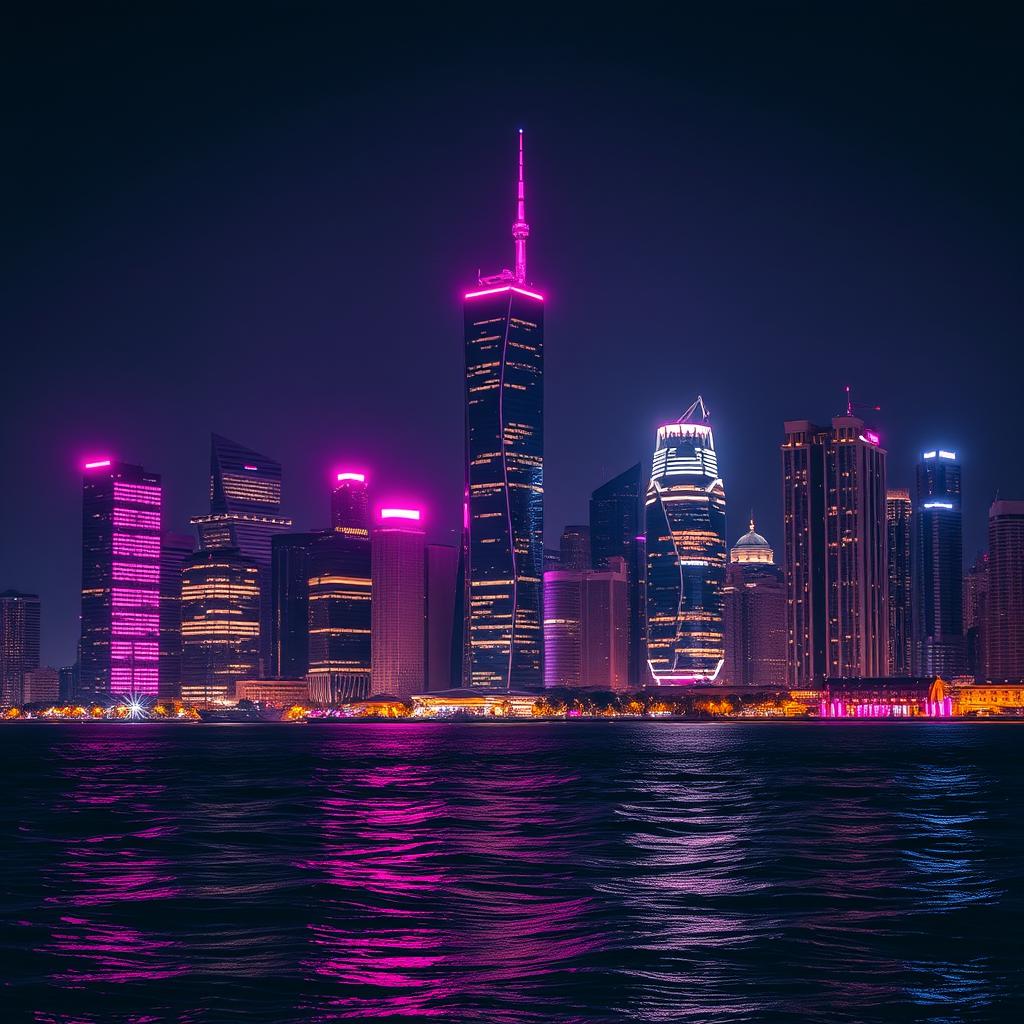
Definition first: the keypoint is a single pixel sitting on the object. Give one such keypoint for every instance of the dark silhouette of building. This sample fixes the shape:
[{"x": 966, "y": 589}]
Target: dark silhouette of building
[
  {"x": 685, "y": 526},
  {"x": 220, "y": 624},
  {"x": 120, "y": 640},
  {"x": 836, "y": 566},
  {"x": 245, "y": 506},
  {"x": 290, "y": 570},
  {"x": 755, "y": 615},
  {"x": 439, "y": 584},
  {"x": 938, "y": 567},
  {"x": 175, "y": 550},
  {"x": 616, "y": 531},
  {"x": 503, "y": 538},
  {"x": 19, "y": 643},
  {"x": 899, "y": 518},
  {"x": 975, "y": 610},
  {"x": 350, "y": 506},
  {"x": 1004, "y": 607},
  {"x": 574, "y": 549}
]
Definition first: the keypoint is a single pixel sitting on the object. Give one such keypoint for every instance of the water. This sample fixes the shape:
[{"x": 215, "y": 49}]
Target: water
[{"x": 512, "y": 873}]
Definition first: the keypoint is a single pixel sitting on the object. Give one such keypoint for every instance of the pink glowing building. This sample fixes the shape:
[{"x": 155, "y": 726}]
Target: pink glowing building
[{"x": 121, "y": 554}]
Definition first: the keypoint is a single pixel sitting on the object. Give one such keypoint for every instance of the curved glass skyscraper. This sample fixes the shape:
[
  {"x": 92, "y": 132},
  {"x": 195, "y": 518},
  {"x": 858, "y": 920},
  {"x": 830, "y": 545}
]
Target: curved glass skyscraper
[{"x": 686, "y": 553}]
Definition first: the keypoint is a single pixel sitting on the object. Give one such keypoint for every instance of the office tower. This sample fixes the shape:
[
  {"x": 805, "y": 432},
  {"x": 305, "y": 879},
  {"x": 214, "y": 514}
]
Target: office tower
[
  {"x": 68, "y": 682},
  {"x": 574, "y": 549},
  {"x": 503, "y": 535},
  {"x": 245, "y": 506},
  {"x": 350, "y": 511},
  {"x": 552, "y": 559},
  {"x": 220, "y": 624},
  {"x": 340, "y": 617},
  {"x": 40, "y": 686},
  {"x": 175, "y": 550},
  {"x": 938, "y": 567},
  {"x": 399, "y": 603},
  {"x": 975, "y": 610},
  {"x": 1004, "y": 608},
  {"x": 899, "y": 519},
  {"x": 685, "y": 525},
  {"x": 835, "y": 551},
  {"x": 616, "y": 531},
  {"x": 290, "y": 570},
  {"x": 120, "y": 641},
  {"x": 755, "y": 615},
  {"x": 19, "y": 643},
  {"x": 586, "y": 627},
  {"x": 441, "y": 567}
]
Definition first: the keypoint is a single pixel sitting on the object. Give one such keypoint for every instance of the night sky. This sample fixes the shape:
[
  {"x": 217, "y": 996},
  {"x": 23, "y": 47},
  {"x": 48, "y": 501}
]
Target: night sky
[{"x": 259, "y": 221}]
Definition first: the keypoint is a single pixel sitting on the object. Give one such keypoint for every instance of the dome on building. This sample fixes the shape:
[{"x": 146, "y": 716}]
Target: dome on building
[{"x": 752, "y": 547}]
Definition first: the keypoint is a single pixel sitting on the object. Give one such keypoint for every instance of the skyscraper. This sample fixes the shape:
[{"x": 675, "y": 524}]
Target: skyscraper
[
  {"x": 291, "y": 555},
  {"x": 439, "y": 583},
  {"x": 19, "y": 643},
  {"x": 685, "y": 523},
  {"x": 574, "y": 548},
  {"x": 503, "y": 535},
  {"x": 245, "y": 505},
  {"x": 755, "y": 615},
  {"x": 1004, "y": 608},
  {"x": 175, "y": 550},
  {"x": 586, "y": 627},
  {"x": 836, "y": 564},
  {"x": 938, "y": 567},
  {"x": 350, "y": 511},
  {"x": 399, "y": 603},
  {"x": 899, "y": 519},
  {"x": 220, "y": 624},
  {"x": 975, "y": 612},
  {"x": 340, "y": 618},
  {"x": 120, "y": 642},
  {"x": 616, "y": 528}
]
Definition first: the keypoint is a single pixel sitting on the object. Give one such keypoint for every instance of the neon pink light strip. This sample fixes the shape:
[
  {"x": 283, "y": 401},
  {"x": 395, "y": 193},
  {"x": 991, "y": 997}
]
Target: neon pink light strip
[
  {"x": 504, "y": 288},
  {"x": 359, "y": 478},
  {"x": 400, "y": 513},
  {"x": 252, "y": 469},
  {"x": 99, "y": 464}
]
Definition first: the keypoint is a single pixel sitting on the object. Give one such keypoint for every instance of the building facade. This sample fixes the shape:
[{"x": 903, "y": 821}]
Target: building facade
[
  {"x": 290, "y": 572},
  {"x": 836, "y": 551},
  {"x": 175, "y": 551},
  {"x": 19, "y": 643},
  {"x": 350, "y": 504},
  {"x": 755, "y": 615},
  {"x": 503, "y": 534},
  {"x": 899, "y": 521},
  {"x": 574, "y": 548},
  {"x": 399, "y": 603},
  {"x": 975, "y": 611},
  {"x": 1004, "y": 607},
  {"x": 220, "y": 624},
  {"x": 440, "y": 580},
  {"x": 938, "y": 567},
  {"x": 686, "y": 553},
  {"x": 121, "y": 555}
]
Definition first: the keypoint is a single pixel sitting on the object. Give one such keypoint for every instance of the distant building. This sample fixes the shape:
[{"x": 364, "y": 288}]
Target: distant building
[
  {"x": 616, "y": 531},
  {"x": 220, "y": 624},
  {"x": 175, "y": 550},
  {"x": 503, "y": 535},
  {"x": 350, "y": 506},
  {"x": 685, "y": 525},
  {"x": 439, "y": 585},
  {"x": 274, "y": 693},
  {"x": 975, "y": 609},
  {"x": 899, "y": 518},
  {"x": 586, "y": 628},
  {"x": 552, "y": 559},
  {"x": 574, "y": 549},
  {"x": 245, "y": 513},
  {"x": 1004, "y": 609},
  {"x": 399, "y": 603},
  {"x": 120, "y": 641},
  {"x": 41, "y": 686},
  {"x": 886, "y": 697},
  {"x": 340, "y": 617},
  {"x": 68, "y": 681},
  {"x": 755, "y": 615},
  {"x": 19, "y": 643},
  {"x": 938, "y": 567},
  {"x": 837, "y": 586},
  {"x": 469, "y": 702},
  {"x": 290, "y": 571}
]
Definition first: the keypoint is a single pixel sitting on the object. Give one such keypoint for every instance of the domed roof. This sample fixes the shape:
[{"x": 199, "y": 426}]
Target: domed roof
[
  {"x": 752, "y": 539},
  {"x": 752, "y": 547}
]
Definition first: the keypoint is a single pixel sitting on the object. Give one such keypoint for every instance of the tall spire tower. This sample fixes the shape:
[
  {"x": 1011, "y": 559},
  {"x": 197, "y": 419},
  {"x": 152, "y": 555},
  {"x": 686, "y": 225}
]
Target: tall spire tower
[{"x": 520, "y": 230}]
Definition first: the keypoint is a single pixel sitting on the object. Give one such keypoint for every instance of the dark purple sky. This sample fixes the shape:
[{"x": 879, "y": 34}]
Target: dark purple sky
[{"x": 259, "y": 221}]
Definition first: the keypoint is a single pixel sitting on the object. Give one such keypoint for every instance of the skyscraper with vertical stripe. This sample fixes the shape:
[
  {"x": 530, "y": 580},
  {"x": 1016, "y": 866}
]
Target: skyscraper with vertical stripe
[{"x": 503, "y": 535}]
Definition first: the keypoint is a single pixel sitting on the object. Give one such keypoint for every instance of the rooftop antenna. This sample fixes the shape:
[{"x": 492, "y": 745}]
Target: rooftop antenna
[
  {"x": 520, "y": 229},
  {"x": 851, "y": 404},
  {"x": 705, "y": 414}
]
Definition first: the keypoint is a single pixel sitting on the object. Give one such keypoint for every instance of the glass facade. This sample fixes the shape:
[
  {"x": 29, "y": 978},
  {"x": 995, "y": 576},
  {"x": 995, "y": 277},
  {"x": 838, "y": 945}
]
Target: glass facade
[
  {"x": 686, "y": 554},
  {"x": 899, "y": 517},
  {"x": 19, "y": 643},
  {"x": 121, "y": 558},
  {"x": 289, "y": 625},
  {"x": 504, "y": 517}
]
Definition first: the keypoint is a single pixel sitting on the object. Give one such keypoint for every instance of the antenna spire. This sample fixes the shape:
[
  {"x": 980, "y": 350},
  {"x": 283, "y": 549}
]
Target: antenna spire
[{"x": 520, "y": 229}]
